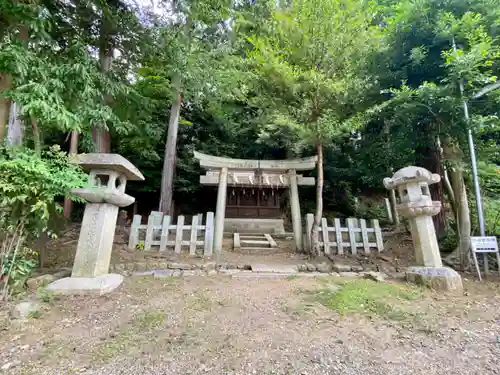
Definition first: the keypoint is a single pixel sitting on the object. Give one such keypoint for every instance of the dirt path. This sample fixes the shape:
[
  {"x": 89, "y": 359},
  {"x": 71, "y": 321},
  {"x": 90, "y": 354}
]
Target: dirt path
[{"x": 220, "y": 325}]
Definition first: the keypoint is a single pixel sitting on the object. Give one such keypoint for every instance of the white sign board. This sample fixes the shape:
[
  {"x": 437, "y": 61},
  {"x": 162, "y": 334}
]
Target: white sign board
[{"x": 484, "y": 245}]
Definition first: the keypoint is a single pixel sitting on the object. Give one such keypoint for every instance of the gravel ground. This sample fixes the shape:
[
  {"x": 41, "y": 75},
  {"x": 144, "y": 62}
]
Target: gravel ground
[{"x": 221, "y": 325}]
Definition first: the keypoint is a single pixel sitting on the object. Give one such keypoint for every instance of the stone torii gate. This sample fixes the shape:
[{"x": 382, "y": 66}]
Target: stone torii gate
[{"x": 265, "y": 175}]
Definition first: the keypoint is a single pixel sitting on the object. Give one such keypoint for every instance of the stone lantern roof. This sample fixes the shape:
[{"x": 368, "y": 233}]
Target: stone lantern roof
[
  {"x": 411, "y": 174},
  {"x": 110, "y": 162}
]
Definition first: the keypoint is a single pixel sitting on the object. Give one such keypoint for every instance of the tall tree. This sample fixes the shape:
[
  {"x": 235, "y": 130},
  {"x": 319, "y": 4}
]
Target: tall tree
[
  {"x": 455, "y": 49},
  {"x": 312, "y": 66},
  {"x": 188, "y": 55}
]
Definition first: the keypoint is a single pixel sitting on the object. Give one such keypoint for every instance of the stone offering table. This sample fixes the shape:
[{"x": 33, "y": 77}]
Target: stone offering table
[
  {"x": 416, "y": 204},
  {"x": 105, "y": 195}
]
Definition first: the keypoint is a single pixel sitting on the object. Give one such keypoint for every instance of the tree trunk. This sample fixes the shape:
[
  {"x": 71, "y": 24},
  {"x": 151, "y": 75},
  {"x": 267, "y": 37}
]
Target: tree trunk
[
  {"x": 5, "y": 84},
  {"x": 168, "y": 172},
  {"x": 9, "y": 110},
  {"x": 73, "y": 150},
  {"x": 451, "y": 151},
  {"x": 319, "y": 202},
  {"x": 430, "y": 158},
  {"x": 101, "y": 139},
  {"x": 463, "y": 217},
  {"x": 451, "y": 193},
  {"x": 37, "y": 139},
  {"x": 15, "y": 129},
  {"x": 100, "y": 133},
  {"x": 446, "y": 179}
]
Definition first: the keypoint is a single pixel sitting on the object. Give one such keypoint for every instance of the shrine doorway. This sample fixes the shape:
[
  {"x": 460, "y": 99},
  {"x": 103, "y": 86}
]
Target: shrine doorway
[{"x": 257, "y": 203}]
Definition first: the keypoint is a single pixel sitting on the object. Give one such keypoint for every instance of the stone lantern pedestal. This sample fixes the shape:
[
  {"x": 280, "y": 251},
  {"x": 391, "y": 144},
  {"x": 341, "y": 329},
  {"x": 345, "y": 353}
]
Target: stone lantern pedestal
[
  {"x": 415, "y": 203},
  {"x": 105, "y": 194}
]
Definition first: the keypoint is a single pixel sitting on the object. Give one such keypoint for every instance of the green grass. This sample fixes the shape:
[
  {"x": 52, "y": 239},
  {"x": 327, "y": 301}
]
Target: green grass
[
  {"x": 199, "y": 301},
  {"x": 132, "y": 337},
  {"x": 150, "y": 319},
  {"x": 46, "y": 296},
  {"x": 366, "y": 297},
  {"x": 298, "y": 310},
  {"x": 35, "y": 314}
]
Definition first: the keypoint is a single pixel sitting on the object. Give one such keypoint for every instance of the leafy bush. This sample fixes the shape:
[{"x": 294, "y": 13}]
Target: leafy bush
[
  {"x": 372, "y": 210},
  {"x": 490, "y": 182},
  {"x": 491, "y": 210},
  {"x": 492, "y": 215},
  {"x": 29, "y": 187},
  {"x": 17, "y": 267}
]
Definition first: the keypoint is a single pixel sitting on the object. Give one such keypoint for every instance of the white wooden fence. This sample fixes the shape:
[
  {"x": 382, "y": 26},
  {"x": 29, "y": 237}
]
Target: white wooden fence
[
  {"x": 161, "y": 231},
  {"x": 356, "y": 235}
]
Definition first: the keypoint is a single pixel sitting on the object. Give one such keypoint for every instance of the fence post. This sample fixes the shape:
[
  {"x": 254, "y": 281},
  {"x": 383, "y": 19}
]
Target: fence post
[
  {"x": 178, "y": 234},
  {"x": 149, "y": 232},
  {"x": 309, "y": 225},
  {"x": 378, "y": 235},
  {"x": 364, "y": 236},
  {"x": 194, "y": 233},
  {"x": 200, "y": 219},
  {"x": 133, "y": 240},
  {"x": 338, "y": 235},
  {"x": 326, "y": 236},
  {"x": 164, "y": 233},
  {"x": 357, "y": 235},
  {"x": 209, "y": 234},
  {"x": 352, "y": 235},
  {"x": 158, "y": 217}
]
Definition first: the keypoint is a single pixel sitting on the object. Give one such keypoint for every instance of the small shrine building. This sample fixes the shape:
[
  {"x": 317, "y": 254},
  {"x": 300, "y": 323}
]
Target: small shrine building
[{"x": 249, "y": 192}]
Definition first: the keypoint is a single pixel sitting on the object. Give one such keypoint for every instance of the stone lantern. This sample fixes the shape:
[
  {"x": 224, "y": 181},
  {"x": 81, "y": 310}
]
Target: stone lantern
[
  {"x": 105, "y": 195},
  {"x": 416, "y": 204}
]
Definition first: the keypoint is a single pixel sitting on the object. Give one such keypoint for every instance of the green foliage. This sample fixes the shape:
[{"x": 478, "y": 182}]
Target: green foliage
[
  {"x": 35, "y": 314},
  {"x": 30, "y": 184},
  {"x": 47, "y": 49},
  {"x": 46, "y": 296},
  {"x": 370, "y": 210},
  {"x": 29, "y": 187},
  {"x": 311, "y": 67},
  {"x": 65, "y": 92},
  {"x": 473, "y": 62},
  {"x": 18, "y": 267},
  {"x": 491, "y": 208}
]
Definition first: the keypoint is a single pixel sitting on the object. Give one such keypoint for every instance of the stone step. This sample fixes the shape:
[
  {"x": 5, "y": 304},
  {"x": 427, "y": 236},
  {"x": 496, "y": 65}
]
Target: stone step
[
  {"x": 254, "y": 243},
  {"x": 267, "y": 275},
  {"x": 274, "y": 268},
  {"x": 259, "y": 250},
  {"x": 261, "y": 275},
  {"x": 251, "y": 237}
]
